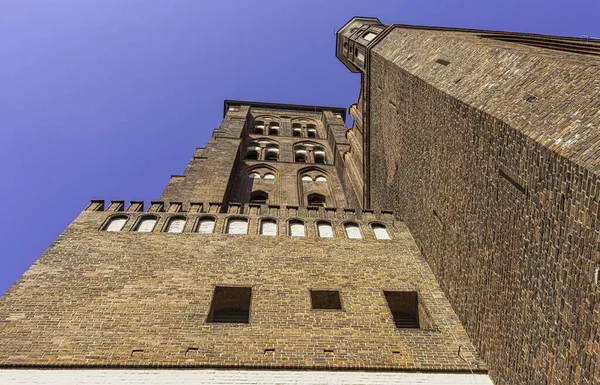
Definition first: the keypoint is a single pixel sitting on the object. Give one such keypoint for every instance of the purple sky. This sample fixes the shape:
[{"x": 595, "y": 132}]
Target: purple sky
[{"x": 106, "y": 99}]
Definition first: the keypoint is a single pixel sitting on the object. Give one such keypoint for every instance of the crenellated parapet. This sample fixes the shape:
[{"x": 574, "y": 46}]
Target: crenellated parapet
[{"x": 318, "y": 222}]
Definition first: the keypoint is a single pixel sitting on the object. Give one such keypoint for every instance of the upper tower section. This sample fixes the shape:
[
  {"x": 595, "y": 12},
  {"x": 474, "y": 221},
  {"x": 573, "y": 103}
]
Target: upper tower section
[
  {"x": 275, "y": 154},
  {"x": 352, "y": 41}
]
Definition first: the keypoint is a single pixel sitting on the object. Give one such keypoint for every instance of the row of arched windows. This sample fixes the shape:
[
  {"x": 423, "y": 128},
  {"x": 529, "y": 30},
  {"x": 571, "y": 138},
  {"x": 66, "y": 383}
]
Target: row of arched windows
[
  {"x": 239, "y": 225},
  {"x": 303, "y": 153},
  {"x": 298, "y": 130}
]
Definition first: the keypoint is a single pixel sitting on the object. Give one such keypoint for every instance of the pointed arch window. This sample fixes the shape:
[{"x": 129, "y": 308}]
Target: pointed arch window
[
  {"x": 268, "y": 227},
  {"x": 116, "y": 224},
  {"x": 259, "y": 197},
  {"x": 259, "y": 128},
  {"x": 352, "y": 231},
  {"x": 176, "y": 225},
  {"x": 237, "y": 226},
  {"x": 146, "y": 225},
  {"x": 274, "y": 129},
  {"x": 297, "y": 229},
  {"x": 272, "y": 153},
  {"x": 300, "y": 155},
  {"x": 316, "y": 200},
  {"x": 380, "y": 231},
  {"x": 253, "y": 152},
  {"x": 206, "y": 226},
  {"x": 311, "y": 131},
  {"x": 319, "y": 156},
  {"x": 325, "y": 230},
  {"x": 297, "y": 131}
]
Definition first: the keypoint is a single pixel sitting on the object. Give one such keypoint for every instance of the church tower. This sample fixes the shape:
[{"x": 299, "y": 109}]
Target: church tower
[{"x": 259, "y": 264}]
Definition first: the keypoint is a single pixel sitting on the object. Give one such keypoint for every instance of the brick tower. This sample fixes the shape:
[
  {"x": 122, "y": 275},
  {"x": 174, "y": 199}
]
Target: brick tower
[
  {"x": 487, "y": 145},
  {"x": 259, "y": 257}
]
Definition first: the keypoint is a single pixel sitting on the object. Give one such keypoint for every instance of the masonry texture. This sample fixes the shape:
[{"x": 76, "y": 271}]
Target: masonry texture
[
  {"x": 272, "y": 204},
  {"x": 488, "y": 145}
]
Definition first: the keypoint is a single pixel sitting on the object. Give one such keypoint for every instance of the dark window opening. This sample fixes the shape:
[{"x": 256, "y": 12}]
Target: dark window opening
[
  {"x": 320, "y": 159},
  {"x": 325, "y": 299},
  {"x": 404, "y": 306},
  {"x": 300, "y": 157},
  {"x": 316, "y": 200},
  {"x": 259, "y": 197},
  {"x": 230, "y": 305},
  {"x": 272, "y": 155},
  {"x": 312, "y": 133},
  {"x": 297, "y": 133},
  {"x": 442, "y": 62},
  {"x": 252, "y": 155}
]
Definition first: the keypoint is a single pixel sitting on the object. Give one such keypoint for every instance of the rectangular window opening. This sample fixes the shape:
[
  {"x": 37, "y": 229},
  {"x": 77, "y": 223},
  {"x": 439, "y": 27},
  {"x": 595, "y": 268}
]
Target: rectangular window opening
[
  {"x": 325, "y": 299},
  {"x": 404, "y": 306},
  {"x": 230, "y": 305},
  {"x": 442, "y": 62}
]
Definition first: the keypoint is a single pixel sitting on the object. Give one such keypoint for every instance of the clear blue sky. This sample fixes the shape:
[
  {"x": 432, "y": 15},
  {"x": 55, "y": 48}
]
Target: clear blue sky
[{"x": 106, "y": 99}]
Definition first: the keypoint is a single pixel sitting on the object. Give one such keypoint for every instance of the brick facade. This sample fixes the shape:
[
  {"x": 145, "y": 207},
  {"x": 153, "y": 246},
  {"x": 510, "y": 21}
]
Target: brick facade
[
  {"x": 128, "y": 298},
  {"x": 487, "y": 145}
]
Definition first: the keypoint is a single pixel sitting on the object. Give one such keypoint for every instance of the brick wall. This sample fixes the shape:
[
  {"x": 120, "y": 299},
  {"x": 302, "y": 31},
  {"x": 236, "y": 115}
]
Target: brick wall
[
  {"x": 137, "y": 299},
  {"x": 498, "y": 189}
]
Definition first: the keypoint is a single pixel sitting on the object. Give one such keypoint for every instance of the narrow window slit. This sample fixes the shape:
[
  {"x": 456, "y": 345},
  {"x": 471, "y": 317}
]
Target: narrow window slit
[
  {"x": 442, "y": 62},
  {"x": 512, "y": 181}
]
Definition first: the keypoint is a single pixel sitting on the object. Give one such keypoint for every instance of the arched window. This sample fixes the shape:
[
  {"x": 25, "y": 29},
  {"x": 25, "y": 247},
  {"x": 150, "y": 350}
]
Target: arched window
[
  {"x": 252, "y": 152},
  {"x": 274, "y": 128},
  {"x": 325, "y": 230},
  {"x": 206, "y": 226},
  {"x": 269, "y": 176},
  {"x": 272, "y": 153},
  {"x": 296, "y": 228},
  {"x": 237, "y": 226},
  {"x": 259, "y": 197},
  {"x": 311, "y": 131},
  {"x": 321, "y": 178},
  {"x": 307, "y": 178},
  {"x": 316, "y": 200},
  {"x": 380, "y": 231},
  {"x": 176, "y": 225},
  {"x": 146, "y": 225},
  {"x": 254, "y": 175},
  {"x": 296, "y": 130},
  {"x": 259, "y": 128},
  {"x": 300, "y": 155},
  {"x": 319, "y": 155},
  {"x": 352, "y": 231},
  {"x": 268, "y": 227},
  {"x": 116, "y": 224}
]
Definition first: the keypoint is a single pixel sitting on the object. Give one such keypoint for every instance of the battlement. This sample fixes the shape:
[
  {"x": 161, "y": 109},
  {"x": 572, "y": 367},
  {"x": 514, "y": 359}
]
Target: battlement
[
  {"x": 248, "y": 209},
  {"x": 247, "y": 219}
]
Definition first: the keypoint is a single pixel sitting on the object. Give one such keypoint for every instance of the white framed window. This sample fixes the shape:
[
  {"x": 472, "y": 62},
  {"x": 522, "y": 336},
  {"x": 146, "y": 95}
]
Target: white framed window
[
  {"x": 206, "y": 226},
  {"x": 307, "y": 178},
  {"x": 146, "y": 225},
  {"x": 352, "y": 231},
  {"x": 176, "y": 225},
  {"x": 321, "y": 178},
  {"x": 268, "y": 227},
  {"x": 297, "y": 229},
  {"x": 380, "y": 232},
  {"x": 254, "y": 175},
  {"x": 269, "y": 176},
  {"x": 325, "y": 230},
  {"x": 116, "y": 224},
  {"x": 237, "y": 226}
]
